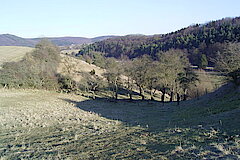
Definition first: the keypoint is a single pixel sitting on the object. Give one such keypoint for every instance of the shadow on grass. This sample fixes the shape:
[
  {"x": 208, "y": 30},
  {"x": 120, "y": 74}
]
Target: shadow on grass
[
  {"x": 161, "y": 133},
  {"x": 149, "y": 114},
  {"x": 219, "y": 109}
]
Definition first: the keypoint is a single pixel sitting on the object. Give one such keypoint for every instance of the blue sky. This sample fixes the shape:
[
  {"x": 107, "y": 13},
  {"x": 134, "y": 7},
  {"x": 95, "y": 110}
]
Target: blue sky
[{"x": 91, "y": 18}]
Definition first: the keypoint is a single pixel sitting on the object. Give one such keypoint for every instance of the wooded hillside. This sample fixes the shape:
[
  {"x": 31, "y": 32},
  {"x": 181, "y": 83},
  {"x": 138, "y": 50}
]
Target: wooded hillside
[{"x": 196, "y": 40}]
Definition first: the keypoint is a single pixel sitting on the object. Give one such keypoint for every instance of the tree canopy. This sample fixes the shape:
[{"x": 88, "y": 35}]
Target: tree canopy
[{"x": 197, "y": 40}]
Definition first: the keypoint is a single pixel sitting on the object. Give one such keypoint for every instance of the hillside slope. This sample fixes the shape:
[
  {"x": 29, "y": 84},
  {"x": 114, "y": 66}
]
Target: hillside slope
[
  {"x": 12, "y": 53},
  {"x": 76, "y": 67},
  {"x": 194, "y": 40},
  {"x": 218, "y": 109},
  {"x": 47, "y": 125}
]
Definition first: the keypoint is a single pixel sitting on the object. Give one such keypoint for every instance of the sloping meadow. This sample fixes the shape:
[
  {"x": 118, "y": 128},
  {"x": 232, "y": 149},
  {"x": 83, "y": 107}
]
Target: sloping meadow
[{"x": 48, "y": 125}]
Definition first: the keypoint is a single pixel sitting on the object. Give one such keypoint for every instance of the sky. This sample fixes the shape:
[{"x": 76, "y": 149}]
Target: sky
[{"x": 91, "y": 18}]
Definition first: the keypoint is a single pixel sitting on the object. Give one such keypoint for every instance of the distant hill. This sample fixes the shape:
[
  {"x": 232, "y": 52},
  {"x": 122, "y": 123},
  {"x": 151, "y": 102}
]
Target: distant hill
[
  {"x": 12, "y": 40},
  {"x": 63, "y": 41},
  {"x": 66, "y": 41}
]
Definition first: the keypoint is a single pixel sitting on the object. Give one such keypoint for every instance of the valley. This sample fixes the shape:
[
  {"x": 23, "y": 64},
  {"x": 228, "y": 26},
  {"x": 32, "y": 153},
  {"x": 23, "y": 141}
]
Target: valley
[{"x": 165, "y": 96}]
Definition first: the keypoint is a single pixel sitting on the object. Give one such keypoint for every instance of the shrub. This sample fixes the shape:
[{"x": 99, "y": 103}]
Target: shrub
[
  {"x": 66, "y": 83},
  {"x": 36, "y": 70}
]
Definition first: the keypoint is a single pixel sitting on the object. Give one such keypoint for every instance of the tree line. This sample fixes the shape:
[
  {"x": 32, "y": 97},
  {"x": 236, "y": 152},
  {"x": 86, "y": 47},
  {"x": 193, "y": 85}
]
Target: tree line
[{"x": 169, "y": 72}]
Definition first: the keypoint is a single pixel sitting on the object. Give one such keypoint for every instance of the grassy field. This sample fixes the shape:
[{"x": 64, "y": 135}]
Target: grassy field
[
  {"x": 47, "y": 125},
  {"x": 12, "y": 53}
]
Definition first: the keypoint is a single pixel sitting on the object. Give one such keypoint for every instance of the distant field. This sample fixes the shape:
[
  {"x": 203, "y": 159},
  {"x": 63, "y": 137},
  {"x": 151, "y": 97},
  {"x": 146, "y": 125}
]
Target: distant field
[
  {"x": 12, "y": 53},
  {"x": 48, "y": 125}
]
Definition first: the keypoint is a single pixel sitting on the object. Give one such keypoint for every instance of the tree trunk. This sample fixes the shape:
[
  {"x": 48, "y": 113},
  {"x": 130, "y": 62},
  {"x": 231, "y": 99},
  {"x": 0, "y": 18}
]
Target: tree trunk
[
  {"x": 197, "y": 94},
  {"x": 130, "y": 93},
  {"x": 178, "y": 99},
  {"x": 163, "y": 95},
  {"x": 111, "y": 89},
  {"x": 116, "y": 91},
  {"x": 129, "y": 89},
  {"x": 116, "y": 94},
  {"x": 185, "y": 95},
  {"x": 151, "y": 93},
  {"x": 94, "y": 97},
  {"x": 206, "y": 91},
  {"x": 141, "y": 92},
  {"x": 130, "y": 96},
  {"x": 171, "y": 97}
]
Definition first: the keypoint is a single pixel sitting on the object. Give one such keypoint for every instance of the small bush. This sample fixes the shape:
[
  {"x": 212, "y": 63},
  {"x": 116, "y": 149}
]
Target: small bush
[{"x": 66, "y": 83}]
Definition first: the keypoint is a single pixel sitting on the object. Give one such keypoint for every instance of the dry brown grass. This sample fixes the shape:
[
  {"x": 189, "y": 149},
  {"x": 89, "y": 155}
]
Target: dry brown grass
[
  {"x": 75, "y": 67},
  {"x": 47, "y": 125},
  {"x": 12, "y": 53}
]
